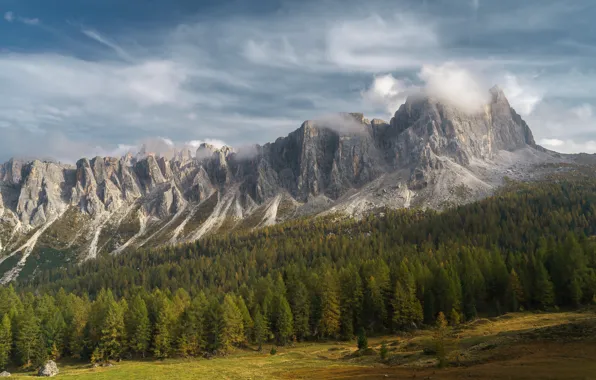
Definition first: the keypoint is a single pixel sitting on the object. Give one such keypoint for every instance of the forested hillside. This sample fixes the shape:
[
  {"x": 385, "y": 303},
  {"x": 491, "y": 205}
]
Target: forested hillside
[{"x": 530, "y": 247}]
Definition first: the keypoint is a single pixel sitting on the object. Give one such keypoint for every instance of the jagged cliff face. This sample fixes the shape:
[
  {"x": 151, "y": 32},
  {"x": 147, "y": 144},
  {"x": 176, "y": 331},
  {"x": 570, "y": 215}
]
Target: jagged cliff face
[{"x": 428, "y": 155}]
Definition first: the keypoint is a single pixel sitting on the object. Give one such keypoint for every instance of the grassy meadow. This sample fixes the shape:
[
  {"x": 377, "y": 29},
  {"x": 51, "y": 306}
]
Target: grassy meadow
[{"x": 514, "y": 346}]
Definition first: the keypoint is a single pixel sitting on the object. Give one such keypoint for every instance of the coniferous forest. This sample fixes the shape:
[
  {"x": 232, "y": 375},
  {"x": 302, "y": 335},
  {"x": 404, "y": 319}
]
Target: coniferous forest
[{"x": 528, "y": 247}]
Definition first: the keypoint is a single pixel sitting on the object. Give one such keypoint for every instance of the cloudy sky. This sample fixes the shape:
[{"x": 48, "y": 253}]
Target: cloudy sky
[{"x": 99, "y": 77}]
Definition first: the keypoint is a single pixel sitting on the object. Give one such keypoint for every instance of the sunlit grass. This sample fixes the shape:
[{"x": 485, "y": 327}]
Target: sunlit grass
[{"x": 305, "y": 359}]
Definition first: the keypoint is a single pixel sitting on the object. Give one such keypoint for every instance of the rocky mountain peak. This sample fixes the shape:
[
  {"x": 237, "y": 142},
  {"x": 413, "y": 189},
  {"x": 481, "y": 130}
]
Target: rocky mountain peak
[
  {"x": 498, "y": 95},
  {"x": 337, "y": 163}
]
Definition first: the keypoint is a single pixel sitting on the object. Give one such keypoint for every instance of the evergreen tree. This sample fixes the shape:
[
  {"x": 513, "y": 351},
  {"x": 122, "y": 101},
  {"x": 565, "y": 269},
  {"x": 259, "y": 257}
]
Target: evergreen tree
[
  {"x": 30, "y": 348},
  {"x": 300, "y": 306},
  {"x": 407, "y": 309},
  {"x": 351, "y": 297},
  {"x": 111, "y": 339},
  {"x": 247, "y": 321},
  {"x": 330, "y": 317},
  {"x": 52, "y": 325},
  {"x": 284, "y": 328},
  {"x": 77, "y": 324},
  {"x": 261, "y": 329},
  {"x": 5, "y": 341},
  {"x": 473, "y": 286},
  {"x": 162, "y": 330},
  {"x": 543, "y": 289},
  {"x": 440, "y": 339},
  {"x": 454, "y": 318},
  {"x": 138, "y": 326},
  {"x": 233, "y": 326},
  {"x": 192, "y": 328},
  {"x": 515, "y": 292},
  {"x": 214, "y": 326},
  {"x": 9, "y": 301}
]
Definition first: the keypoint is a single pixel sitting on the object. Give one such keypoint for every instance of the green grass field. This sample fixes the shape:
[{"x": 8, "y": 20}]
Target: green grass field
[{"x": 513, "y": 346}]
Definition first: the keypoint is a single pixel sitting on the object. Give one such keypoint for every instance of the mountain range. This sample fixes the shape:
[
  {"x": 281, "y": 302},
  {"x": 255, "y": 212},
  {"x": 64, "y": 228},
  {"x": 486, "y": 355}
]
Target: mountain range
[{"x": 429, "y": 155}]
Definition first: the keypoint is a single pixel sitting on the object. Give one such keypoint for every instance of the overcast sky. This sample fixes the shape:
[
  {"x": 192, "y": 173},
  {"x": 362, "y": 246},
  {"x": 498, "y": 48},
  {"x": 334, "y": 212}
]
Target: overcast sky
[{"x": 99, "y": 77}]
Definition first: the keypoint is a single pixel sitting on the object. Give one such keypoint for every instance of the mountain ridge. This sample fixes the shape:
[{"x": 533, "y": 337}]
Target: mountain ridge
[{"x": 430, "y": 154}]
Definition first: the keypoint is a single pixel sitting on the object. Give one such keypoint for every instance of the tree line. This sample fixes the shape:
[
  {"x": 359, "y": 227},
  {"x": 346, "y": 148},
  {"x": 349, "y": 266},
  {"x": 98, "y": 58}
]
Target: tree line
[{"x": 529, "y": 247}]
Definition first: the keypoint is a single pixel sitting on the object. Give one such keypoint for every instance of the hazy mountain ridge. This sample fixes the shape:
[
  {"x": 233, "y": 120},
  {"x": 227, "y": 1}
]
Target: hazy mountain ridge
[{"x": 429, "y": 155}]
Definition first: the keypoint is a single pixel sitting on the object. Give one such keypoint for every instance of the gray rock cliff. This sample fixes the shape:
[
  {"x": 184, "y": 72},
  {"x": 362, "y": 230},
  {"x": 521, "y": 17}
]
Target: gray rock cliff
[{"x": 344, "y": 163}]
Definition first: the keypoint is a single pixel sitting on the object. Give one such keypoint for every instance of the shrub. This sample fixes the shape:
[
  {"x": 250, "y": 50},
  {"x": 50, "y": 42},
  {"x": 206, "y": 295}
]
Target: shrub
[
  {"x": 384, "y": 351},
  {"x": 362, "y": 340}
]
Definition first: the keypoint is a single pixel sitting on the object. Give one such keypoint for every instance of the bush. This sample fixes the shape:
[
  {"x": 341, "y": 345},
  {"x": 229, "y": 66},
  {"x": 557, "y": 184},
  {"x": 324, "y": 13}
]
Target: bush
[
  {"x": 362, "y": 340},
  {"x": 273, "y": 350},
  {"x": 384, "y": 351}
]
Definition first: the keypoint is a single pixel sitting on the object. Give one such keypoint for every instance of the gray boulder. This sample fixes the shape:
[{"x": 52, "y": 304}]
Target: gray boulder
[
  {"x": 5, "y": 374},
  {"x": 49, "y": 369}
]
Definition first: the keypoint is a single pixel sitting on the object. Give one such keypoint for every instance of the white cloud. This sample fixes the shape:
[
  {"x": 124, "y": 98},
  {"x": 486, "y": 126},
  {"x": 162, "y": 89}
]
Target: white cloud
[
  {"x": 370, "y": 44},
  {"x": 94, "y": 35},
  {"x": 340, "y": 122},
  {"x": 551, "y": 142},
  {"x": 196, "y": 143},
  {"x": 11, "y": 16},
  {"x": 522, "y": 98},
  {"x": 456, "y": 85},
  {"x": 277, "y": 52},
  {"x": 52, "y": 76},
  {"x": 569, "y": 146},
  {"x": 386, "y": 92},
  {"x": 377, "y": 44},
  {"x": 29, "y": 21},
  {"x": 460, "y": 84}
]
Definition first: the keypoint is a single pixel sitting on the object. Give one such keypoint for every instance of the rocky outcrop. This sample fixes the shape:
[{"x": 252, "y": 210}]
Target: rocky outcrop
[
  {"x": 49, "y": 369},
  {"x": 424, "y": 129},
  {"x": 342, "y": 163}
]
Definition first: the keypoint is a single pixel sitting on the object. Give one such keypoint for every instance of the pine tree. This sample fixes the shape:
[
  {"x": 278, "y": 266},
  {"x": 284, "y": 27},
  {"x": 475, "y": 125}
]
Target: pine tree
[
  {"x": 330, "y": 319},
  {"x": 233, "y": 327},
  {"x": 440, "y": 338},
  {"x": 29, "y": 346},
  {"x": 162, "y": 335},
  {"x": 284, "y": 328},
  {"x": 261, "y": 329},
  {"x": 76, "y": 326},
  {"x": 407, "y": 310},
  {"x": 247, "y": 321},
  {"x": 473, "y": 286},
  {"x": 300, "y": 305},
  {"x": 543, "y": 289},
  {"x": 52, "y": 325},
  {"x": 214, "y": 325},
  {"x": 5, "y": 341},
  {"x": 454, "y": 318},
  {"x": 9, "y": 301},
  {"x": 351, "y": 297},
  {"x": 515, "y": 292},
  {"x": 192, "y": 328},
  {"x": 138, "y": 326},
  {"x": 111, "y": 340}
]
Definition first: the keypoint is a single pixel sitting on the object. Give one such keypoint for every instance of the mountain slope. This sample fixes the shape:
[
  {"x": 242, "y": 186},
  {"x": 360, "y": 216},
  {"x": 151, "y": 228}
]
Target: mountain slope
[{"x": 429, "y": 155}]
